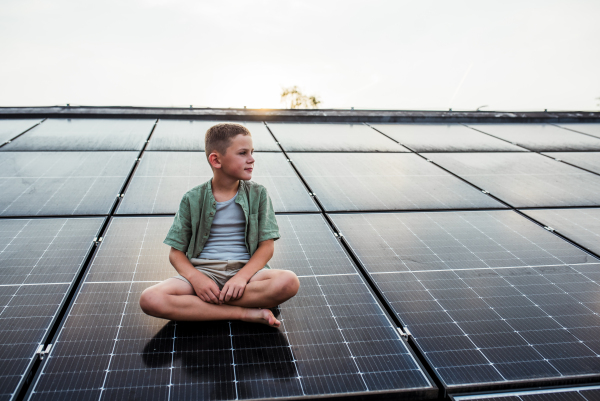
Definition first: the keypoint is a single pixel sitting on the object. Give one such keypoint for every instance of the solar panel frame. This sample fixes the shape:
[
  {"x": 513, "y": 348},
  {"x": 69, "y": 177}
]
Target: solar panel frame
[
  {"x": 586, "y": 160},
  {"x": 524, "y": 179},
  {"x": 435, "y": 305},
  {"x": 332, "y": 137},
  {"x": 540, "y": 137},
  {"x": 62, "y": 183},
  {"x": 385, "y": 181},
  {"x": 188, "y": 135},
  {"x": 85, "y": 134},
  {"x": 111, "y": 293},
  {"x": 10, "y": 128},
  {"x": 438, "y": 137},
  {"x": 587, "y": 393},
  {"x": 37, "y": 318},
  {"x": 179, "y": 172}
]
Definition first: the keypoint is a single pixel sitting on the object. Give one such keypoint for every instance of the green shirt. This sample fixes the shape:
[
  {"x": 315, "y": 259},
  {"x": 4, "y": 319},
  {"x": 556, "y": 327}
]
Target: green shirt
[{"x": 191, "y": 226}]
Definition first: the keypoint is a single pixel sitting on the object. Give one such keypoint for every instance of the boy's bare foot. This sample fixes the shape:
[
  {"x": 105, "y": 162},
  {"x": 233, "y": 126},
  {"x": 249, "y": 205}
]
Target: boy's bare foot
[{"x": 257, "y": 315}]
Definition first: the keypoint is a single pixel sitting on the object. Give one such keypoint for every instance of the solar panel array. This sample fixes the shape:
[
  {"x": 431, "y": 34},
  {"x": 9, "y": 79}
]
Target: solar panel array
[{"x": 461, "y": 238}]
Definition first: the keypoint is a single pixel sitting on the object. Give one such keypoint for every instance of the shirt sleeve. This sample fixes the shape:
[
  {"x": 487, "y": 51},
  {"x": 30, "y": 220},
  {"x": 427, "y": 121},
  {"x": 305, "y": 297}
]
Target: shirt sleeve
[
  {"x": 180, "y": 233},
  {"x": 267, "y": 223}
]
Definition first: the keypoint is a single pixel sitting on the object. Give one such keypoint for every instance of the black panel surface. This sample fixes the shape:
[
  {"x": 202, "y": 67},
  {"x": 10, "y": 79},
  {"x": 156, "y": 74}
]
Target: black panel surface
[
  {"x": 296, "y": 137},
  {"x": 163, "y": 177},
  {"x": 540, "y": 137},
  {"x": 585, "y": 128},
  {"x": 490, "y": 297},
  {"x": 587, "y": 160},
  {"x": 524, "y": 179},
  {"x": 61, "y": 183},
  {"x": 11, "y": 128},
  {"x": 444, "y": 138},
  {"x": 189, "y": 135},
  {"x": 334, "y": 337},
  {"x": 579, "y": 225},
  {"x": 361, "y": 181},
  {"x": 38, "y": 261},
  {"x": 85, "y": 134},
  {"x": 588, "y": 393}
]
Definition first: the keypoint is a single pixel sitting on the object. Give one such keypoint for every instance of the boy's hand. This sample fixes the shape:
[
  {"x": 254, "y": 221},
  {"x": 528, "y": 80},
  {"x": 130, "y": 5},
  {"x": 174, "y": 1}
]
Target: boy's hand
[
  {"x": 233, "y": 289},
  {"x": 206, "y": 289}
]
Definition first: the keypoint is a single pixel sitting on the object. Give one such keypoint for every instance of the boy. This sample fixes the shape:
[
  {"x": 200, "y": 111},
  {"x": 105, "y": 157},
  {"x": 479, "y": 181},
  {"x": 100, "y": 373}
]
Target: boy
[{"x": 221, "y": 240}]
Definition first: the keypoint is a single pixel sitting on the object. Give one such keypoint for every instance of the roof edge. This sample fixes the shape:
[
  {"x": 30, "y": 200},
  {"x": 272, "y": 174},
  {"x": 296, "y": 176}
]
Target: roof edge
[{"x": 299, "y": 115}]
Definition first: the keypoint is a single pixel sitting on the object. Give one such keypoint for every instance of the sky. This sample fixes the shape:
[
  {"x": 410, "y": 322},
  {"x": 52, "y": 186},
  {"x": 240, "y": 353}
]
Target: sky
[{"x": 419, "y": 55}]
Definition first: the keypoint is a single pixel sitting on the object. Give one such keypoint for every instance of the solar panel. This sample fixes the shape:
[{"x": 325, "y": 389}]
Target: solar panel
[
  {"x": 61, "y": 183},
  {"x": 540, "y": 137},
  {"x": 334, "y": 339},
  {"x": 38, "y": 261},
  {"x": 332, "y": 137},
  {"x": 491, "y": 298},
  {"x": 586, "y": 160},
  {"x": 367, "y": 181},
  {"x": 11, "y": 128},
  {"x": 84, "y": 134},
  {"x": 444, "y": 138},
  {"x": 579, "y": 225},
  {"x": 585, "y": 128},
  {"x": 524, "y": 179},
  {"x": 163, "y": 177},
  {"x": 189, "y": 135},
  {"x": 588, "y": 393}
]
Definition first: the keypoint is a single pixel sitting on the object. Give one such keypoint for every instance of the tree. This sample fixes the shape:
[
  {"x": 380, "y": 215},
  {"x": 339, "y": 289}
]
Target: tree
[{"x": 293, "y": 98}]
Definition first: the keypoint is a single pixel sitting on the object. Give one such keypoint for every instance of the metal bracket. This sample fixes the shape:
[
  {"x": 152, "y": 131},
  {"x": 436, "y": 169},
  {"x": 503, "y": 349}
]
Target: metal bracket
[
  {"x": 97, "y": 240},
  {"x": 549, "y": 228},
  {"x": 405, "y": 334},
  {"x": 484, "y": 191},
  {"x": 40, "y": 352}
]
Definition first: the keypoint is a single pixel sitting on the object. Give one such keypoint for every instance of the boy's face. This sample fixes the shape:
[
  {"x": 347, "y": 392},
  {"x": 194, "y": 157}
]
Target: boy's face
[{"x": 237, "y": 162}]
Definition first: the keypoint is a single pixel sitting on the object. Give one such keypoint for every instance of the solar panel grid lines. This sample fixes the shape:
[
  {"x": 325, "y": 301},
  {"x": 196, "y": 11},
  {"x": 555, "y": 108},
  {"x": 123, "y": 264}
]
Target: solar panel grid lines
[
  {"x": 39, "y": 260},
  {"x": 162, "y": 178},
  {"x": 436, "y": 137},
  {"x": 582, "y": 226},
  {"x": 327, "y": 330},
  {"x": 592, "y": 129},
  {"x": 61, "y": 183},
  {"x": 57, "y": 134},
  {"x": 540, "y": 137},
  {"x": 297, "y": 137},
  {"x": 480, "y": 324},
  {"x": 587, "y": 393},
  {"x": 589, "y": 161},
  {"x": 188, "y": 135},
  {"x": 366, "y": 181},
  {"x": 524, "y": 179},
  {"x": 13, "y": 128}
]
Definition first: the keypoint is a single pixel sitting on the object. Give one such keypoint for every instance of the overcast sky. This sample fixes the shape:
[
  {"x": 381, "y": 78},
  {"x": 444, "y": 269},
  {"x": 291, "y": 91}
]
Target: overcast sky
[{"x": 508, "y": 55}]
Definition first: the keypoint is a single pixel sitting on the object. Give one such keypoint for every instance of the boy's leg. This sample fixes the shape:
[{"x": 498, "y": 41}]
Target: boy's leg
[
  {"x": 268, "y": 288},
  {"x": 176, "y": 300}
]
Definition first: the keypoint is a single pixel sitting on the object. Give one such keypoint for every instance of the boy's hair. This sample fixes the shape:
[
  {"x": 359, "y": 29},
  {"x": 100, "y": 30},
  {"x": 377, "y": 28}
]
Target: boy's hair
[{"x": 218, "y": 137}]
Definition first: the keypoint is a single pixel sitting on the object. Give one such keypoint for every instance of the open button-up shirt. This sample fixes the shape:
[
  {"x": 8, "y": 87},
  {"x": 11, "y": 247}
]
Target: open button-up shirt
[{"x": 191, "y": 226}]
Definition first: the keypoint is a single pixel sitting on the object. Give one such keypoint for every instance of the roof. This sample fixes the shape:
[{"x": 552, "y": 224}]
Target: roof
[{"x": 438, "y": 253}]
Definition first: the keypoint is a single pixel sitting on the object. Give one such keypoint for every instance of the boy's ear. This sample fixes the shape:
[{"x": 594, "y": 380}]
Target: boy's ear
[{"x": 215, "y": 160}]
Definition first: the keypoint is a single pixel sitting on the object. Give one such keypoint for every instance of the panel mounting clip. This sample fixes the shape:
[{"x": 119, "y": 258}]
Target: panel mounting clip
[
  {"x": 40, "y": 352},
  {"x": 485, "y": 192},
  {"x": 558, "y": 160},
  {"x": 549, "y": 228},
  {"x": 405, "y": 334}
]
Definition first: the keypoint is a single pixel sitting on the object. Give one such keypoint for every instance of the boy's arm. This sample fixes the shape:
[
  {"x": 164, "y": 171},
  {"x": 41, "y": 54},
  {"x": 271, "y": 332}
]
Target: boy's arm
[
  {"x": 234, "y": 287},
  {"x": 206, "y": 289}
]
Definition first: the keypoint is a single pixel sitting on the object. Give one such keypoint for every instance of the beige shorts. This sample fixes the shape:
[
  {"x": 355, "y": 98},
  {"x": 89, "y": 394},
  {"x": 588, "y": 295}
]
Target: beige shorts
[{"x": 220, "y": 271}]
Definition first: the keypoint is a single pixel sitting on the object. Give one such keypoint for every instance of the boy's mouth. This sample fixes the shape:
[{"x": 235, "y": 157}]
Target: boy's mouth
[{"x": 249, "y": 169}]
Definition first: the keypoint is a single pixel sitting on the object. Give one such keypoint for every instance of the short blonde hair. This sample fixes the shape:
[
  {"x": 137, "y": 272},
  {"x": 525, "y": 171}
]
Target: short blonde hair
[{"x": 218, "y": 137}]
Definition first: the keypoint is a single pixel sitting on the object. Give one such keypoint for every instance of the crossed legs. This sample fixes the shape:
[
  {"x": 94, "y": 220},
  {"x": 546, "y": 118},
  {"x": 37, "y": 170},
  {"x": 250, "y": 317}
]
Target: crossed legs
[{"x": 175, "y": 299}]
